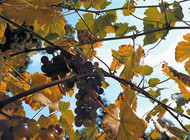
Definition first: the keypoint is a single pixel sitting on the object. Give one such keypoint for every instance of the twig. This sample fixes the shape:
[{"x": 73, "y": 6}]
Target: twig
[
  {"x": 115, "y": 9},
  {"x": 27, "y": 50},
  {"x": 81, "y": 17},
  {"x": 38, "y": 112},
  {"x": 157, "y": 83}
]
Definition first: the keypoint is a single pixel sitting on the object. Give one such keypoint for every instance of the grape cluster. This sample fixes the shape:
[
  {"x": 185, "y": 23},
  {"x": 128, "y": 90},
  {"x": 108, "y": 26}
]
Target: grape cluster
[
  {"x": 22, "y": 131},
  {"x": 89, "y": 92},
  {"x": 16, "y": 38},
  {"x": 56, "y": 67},
  {"x": 88, "y": 96}
]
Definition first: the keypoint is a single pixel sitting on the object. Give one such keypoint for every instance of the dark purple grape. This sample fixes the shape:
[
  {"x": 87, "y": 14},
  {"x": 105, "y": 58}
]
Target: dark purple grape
[
  {"x": 78, "y": 123},
  {"x": 44, "y": 68},
  {"x": 50, "y": 50},
  {"x": 70, "y": 84},
  {"x": 66, "y": 54},
  {"x": 44, "y": 59},
  {"x": 58, "y": 129},
  {"x": 54, "y": 77},
  {"x": 100, "y": 91},
  {"x": 88, "y": 66},
  {"x": 21, "y": 130},
  {"x": 62, "y": 74}
]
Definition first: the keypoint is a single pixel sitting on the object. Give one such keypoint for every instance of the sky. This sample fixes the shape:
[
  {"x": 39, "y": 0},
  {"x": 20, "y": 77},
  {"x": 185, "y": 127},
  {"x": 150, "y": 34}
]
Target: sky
[{"x": 165, "y": 51}]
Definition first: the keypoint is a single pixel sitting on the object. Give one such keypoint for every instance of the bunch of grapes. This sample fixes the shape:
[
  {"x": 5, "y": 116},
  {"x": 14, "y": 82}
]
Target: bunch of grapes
[
  {"x": 56, "y": 67},
  {"x": 9, "y": 132},
  {"x": 22, "y": 131},
  {"x": 88, "y": 96},
  {"x": 89, "y": 92}
]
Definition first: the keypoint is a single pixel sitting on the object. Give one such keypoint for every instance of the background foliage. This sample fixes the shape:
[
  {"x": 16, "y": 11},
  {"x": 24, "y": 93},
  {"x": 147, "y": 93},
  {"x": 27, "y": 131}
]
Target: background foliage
[{"x": 29, "y": 26}]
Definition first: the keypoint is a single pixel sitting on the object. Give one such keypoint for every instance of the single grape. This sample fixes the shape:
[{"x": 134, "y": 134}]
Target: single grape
[
  {"x": 50, "y": 50},
  {"x": 100, "y": 91},
  {"x": 44, "y": 68},
  {"x": 62, "y": 74},
  {"x": 77, "y": 110},
  {"x": 87, "y": 98},
  {"x": 66, "y": 54},
  {"x": 54, "y": 77},
  {"x": 48, "y": 136},
  {"x": 86, "y": 122},
  {"x": 58, "y": 129},
  {"x": 70, "y": 84},
  {"x": 96, "y": 64},
  {"x": 87, "y": 67},
  {"x": 44, "y": 59},
  {"x": 21, "y": 130},
  {"x": 78, "y": 123},
  {"x": 4, "y": 125}
]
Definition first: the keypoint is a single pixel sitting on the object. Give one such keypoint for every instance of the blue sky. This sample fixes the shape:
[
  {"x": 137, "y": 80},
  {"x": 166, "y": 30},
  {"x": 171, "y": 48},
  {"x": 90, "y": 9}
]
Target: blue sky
[{"x": 165, "y": 51}]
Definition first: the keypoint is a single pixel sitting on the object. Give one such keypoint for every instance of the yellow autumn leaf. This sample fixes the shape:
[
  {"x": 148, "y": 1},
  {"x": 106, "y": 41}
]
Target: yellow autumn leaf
[
  {"x": 129, "y": 127},
  {"x": 182, "y": 51},
  {"x": 154, "y": 135},
  {"x": 14, "y": 85},
  {"x": 115, "y": 65},
  {"x": 110, "y": 29}
]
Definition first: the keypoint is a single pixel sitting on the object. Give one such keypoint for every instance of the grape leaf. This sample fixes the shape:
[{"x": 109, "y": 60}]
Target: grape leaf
[
  {"x": 159, "y": 110},
  {"x": 89, "y": 20},
  {"x": 74, "y": 135},
  {"x": 144, "y": 70},
  {"x": 181, "y": 79},
  {"x": 130, "y": 8},
  {"x": 100, "y": 4},
  {"x": 153, "y": 82},
  {"x": 67, "y": 117},
  {"x": 14, "y": 85},
  {"x": 110, "y": 125},
  {"x": 182, "y": 52},
  {"x": 91, "y": 132},
  {"x": 132, "y": 60},
  {"x": 154, "y": 135},
  {"x": 109, "y": 29},
  {"x": 126, "y": 128}
]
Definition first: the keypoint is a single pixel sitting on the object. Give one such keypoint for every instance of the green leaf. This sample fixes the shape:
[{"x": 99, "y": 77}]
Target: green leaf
[
  {"x": 144, "y": 70},
  {"x": 188, "y": 111},
  {"x": 74, "y": 135},
  {"x": 91, "y": 132},
  {"x": 129, "y": 8},
  {"x": 104, "y": 83},
  {"x": 102, "y": 4},
  {"x": 89, "y": 20},
  {"x": 177, "y": 11},
  {"x": 153, "y": 82},
  {"x": 115, "y": 54},
  {"x": 81, "y": 53},
  {"x": 123, "y": 28},
  {"x": 52, "y": 36},
  {"x": 67, "y": 117},
  {"x": 149, "y": 38}
]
